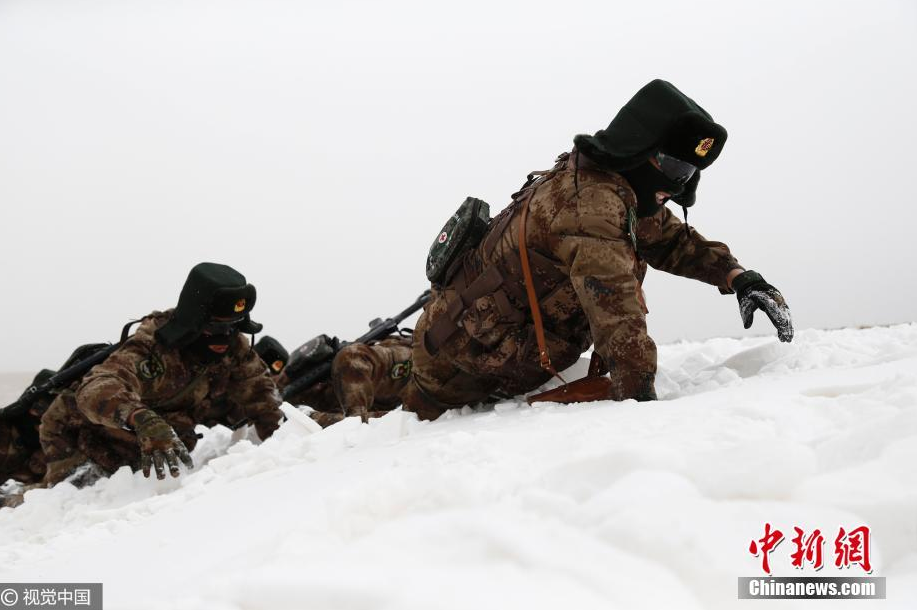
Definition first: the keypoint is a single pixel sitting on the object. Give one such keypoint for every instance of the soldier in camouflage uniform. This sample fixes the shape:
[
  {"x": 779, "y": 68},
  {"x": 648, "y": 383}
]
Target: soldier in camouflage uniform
[
  {"x": 21, "y": 457},
  {"x": 595, "y": 221},
  {"x": 273, "y": 354},
  {"x": 366, "y": 381},
  {"x": 182, "y": 367}
]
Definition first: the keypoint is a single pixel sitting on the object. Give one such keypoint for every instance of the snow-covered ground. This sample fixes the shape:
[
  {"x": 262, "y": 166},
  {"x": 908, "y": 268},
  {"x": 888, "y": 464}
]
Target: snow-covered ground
[{"x": 604, "y": 505}]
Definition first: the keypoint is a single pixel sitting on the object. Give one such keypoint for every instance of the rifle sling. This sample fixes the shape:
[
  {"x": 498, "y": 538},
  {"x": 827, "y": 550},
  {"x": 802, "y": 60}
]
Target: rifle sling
[
  {"x": 496, "y": 233},
  {"x": 543, "y": 355}
]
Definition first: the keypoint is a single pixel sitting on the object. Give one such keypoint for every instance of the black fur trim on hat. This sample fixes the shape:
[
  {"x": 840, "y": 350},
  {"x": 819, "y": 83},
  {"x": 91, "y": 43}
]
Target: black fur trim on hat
[
  {"x": 271, "y": 352},
  {"x": 658, "y": 118},
  {"x": 211, "y": 290}
]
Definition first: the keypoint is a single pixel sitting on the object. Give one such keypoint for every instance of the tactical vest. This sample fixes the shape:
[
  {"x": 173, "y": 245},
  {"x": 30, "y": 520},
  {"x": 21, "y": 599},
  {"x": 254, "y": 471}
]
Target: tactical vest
[{"x": 486, "y": 295}]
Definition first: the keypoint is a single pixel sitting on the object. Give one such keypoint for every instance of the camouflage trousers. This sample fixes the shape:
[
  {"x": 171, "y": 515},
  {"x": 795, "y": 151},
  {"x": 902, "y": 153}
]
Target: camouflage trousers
[
  {"x": 459, "y": 372},
  {"x": 69, "y": 440},
  {"x": 20, "y": 459}
]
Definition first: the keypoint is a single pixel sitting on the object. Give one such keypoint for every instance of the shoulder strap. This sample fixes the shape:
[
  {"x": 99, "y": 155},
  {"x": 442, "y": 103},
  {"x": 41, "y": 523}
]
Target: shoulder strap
[
  {"x": 126, "y": 330},
  {"x": 545, "y": 358},
  {"x": 502, "y": 220}
]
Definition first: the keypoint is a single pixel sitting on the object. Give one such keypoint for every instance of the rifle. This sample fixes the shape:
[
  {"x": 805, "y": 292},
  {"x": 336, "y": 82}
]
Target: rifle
[
  {"x": 78, "y": 364},
  {"x": 58, "y": 380},
  {"x": 379, "y": 329}
]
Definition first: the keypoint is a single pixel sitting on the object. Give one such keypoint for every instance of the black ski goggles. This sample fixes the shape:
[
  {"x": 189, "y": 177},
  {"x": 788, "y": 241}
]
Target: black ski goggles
[
  {"x": 675, "y": 169},
  {"x": 220, "y": 327}
]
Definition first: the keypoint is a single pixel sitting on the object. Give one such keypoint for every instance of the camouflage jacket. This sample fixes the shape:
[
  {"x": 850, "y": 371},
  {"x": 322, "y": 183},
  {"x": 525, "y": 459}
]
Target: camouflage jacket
[
  {"x": 144, "y": 374},
  {"x": 588, "y": 253}
]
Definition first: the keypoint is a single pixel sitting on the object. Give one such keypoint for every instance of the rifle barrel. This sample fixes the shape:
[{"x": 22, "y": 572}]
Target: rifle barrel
[{"x": 390, "y": 325}]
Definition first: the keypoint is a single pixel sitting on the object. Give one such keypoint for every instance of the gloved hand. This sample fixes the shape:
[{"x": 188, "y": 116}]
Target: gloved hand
[
  {"x": 754, "y": 293},
  {"x": 159, "y": 445}
]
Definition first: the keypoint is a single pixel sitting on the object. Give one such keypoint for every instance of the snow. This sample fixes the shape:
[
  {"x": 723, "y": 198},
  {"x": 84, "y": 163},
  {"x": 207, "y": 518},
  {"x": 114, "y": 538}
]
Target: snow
[{"x": 602, "y": 505}]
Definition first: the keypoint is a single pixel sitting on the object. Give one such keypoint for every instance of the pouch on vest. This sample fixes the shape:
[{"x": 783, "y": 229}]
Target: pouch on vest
[{"x": 463, "y": 231}]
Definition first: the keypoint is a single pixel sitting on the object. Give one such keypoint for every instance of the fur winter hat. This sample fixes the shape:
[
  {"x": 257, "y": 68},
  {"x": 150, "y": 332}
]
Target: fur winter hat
[{"x": 211, "y": 290}]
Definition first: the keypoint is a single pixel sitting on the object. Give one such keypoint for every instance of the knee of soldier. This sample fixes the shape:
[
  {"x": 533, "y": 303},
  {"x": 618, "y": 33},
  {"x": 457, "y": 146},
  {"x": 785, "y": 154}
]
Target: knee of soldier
[
  {"x": 415, "y": 400},
  {"x": 60, "y": 469},
  {"x": 630, "y": 331}
]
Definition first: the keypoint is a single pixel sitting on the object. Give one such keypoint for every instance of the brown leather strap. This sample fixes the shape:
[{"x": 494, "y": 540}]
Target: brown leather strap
[
  {"x": 544, "y": 357},
  {"x": 586, "y": 389},
  {"x": 492, "y": 280}
]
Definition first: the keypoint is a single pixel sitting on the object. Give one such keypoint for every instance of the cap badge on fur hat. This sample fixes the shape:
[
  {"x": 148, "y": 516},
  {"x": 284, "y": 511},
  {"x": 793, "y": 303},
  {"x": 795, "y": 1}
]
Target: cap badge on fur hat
[
  {"x": 277, "y": 366},
  {"x": 239, "y": 306},
  {"x": 704, "y": 147}
]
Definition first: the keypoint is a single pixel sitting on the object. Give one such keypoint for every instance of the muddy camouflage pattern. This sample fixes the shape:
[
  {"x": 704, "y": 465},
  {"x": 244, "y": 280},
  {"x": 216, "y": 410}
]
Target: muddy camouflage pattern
[
  {"x": 366, "y": 381},
  {"x": 87, "y": 422},
  {"x": 21, "y": 457},
  {"x": 589, "y": 254}
]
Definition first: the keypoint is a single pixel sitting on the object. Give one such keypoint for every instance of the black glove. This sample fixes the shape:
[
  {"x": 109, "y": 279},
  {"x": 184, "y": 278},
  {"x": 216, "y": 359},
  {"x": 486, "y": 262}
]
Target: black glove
[
  {"x": 754, "y": 293},
  {"x": 159, "y": 445}
]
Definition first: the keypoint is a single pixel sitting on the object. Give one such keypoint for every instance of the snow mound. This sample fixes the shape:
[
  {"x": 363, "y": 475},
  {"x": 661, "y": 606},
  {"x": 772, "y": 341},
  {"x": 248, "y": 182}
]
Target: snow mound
[{"x": 602, "y": 505}]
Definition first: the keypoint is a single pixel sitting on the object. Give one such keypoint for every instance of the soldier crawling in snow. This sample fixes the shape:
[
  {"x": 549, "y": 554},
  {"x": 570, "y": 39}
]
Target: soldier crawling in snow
[
  {"x": 21, "y": 457},
  {"x": 182, "y": 367},
  {"x": 366, "y": 379},
  {"x": 583, "y": 232},
  {"x": 273, "y": 354}
]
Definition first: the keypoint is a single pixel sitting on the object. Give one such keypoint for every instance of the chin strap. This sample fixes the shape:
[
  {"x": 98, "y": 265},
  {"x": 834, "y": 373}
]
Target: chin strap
[{"x": 684, "y": 210}]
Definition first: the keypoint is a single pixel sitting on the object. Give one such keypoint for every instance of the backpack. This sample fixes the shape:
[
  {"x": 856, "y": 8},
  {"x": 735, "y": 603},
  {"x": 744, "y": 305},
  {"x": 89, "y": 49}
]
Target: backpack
[{"x": 312, "y": 352}]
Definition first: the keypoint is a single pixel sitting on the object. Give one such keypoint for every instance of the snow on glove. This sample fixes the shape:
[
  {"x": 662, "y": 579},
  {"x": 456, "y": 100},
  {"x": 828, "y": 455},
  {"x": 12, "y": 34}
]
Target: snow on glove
[
  {"x": 754, "y": 293},
  {"x": 159, "y": 445}
]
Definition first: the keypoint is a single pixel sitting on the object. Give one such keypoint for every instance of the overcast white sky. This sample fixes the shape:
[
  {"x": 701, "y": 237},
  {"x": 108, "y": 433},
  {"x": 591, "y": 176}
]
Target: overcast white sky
[{"x": 319, "y": 148}]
